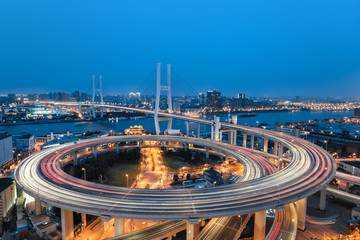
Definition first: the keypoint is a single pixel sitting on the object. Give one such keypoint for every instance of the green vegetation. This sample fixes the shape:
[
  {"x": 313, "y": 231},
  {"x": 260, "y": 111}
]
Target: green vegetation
[
  {"x": 153, "y": 162},
  {"x": 117, "y": 174},
  {"x": 110, "y": 166}
]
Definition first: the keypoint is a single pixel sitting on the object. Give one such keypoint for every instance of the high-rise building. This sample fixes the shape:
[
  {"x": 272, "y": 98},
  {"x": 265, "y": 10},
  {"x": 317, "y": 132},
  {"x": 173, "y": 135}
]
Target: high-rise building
[
  {"x": 177, "y": 107},
  {"x": 202, "y": 98},
  {"x": 84, "y": 97},
  {"x": 77, "y": 95},
  {"x": 241, "y": 95},
  {"x": 63, "y": 96},
  {"x": 213, "y": 99}
]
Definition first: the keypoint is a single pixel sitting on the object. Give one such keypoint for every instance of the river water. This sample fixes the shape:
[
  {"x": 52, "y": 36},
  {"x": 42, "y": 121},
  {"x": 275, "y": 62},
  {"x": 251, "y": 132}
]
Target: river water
[{"x": 148, "y": 123}]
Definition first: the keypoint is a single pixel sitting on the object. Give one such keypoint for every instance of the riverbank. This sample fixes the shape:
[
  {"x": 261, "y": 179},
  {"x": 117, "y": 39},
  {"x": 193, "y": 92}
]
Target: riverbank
[{"x": 52, "y": 121}]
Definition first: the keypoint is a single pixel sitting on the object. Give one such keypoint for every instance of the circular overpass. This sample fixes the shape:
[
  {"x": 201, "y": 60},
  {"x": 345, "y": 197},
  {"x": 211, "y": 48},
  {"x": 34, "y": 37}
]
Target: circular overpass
[{"x": 310, "y": 169}]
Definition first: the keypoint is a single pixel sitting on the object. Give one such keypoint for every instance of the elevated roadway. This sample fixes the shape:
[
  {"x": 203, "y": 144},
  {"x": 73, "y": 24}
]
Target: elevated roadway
[
  {"x": 348, "y": 178},
  {"x": 310, "y": 170},
  {"x": 42, "y": 177},
  {"x": 156, "y": 232},
  {"x": 285, "y": 224}
]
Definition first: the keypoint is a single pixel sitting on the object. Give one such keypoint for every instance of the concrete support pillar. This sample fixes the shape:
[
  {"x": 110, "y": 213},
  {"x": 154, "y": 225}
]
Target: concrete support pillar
[
  {"x": 95, "y": 152},
  {"x": 215, "y": 128},
  {"x": 38, "y": 207},
  {"x": 233, "y": 120},
  {"x": 169, "y": 126},
  {"x": 280, "y": 163},
  {"x": 281, "y": 150},
  {"x": 187, "y": 128},
  {"x": 117, "y": 148},
  {"x": 266, "y": 143},
  {"x": 347, "y": 188},
  {"x": 185, "y": 146},
  {"x": 169, "y": 237},
  {"x": 260, "y": 225},
  {"x": 301, "y": 213},
  {"x": 198, "y": 130},
  {"x": 252, "y": 141},
  {"x": 67, "y": 224},
  {"x": 192, "y": 230},
  {"x": 106, "y": 226},
  {"x": 139, "y": 143},
  {"x": 322, "y": 205},
  {"x": 232, "y": 137},
  {"x": 207, "y": 152},
  {"x": 276, "y": 145},
  {"x": 244, "y": 139},
  {"x": 83, "y": 219},
  {"x": 119, "y": 226},
  {"x": 75, "y": 158}
]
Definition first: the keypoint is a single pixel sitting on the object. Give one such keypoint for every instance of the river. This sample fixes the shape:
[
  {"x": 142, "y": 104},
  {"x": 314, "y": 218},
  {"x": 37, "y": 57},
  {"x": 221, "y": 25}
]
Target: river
[{"x": 148, "y": 123}]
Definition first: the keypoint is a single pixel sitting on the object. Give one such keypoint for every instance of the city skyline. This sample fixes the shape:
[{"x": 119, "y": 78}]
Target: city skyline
[{"x": 273, "y": 49}]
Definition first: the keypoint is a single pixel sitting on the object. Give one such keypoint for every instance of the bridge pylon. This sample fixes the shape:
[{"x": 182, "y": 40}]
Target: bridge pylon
[
  {"x": 160, "y": 88},
  {"x": 94, "y": 92}
]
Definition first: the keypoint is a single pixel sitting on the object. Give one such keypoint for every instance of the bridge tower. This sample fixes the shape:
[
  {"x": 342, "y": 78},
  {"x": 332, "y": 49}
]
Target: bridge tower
[
  {"x": 99, "y": 91},
  {"x": 160, "y": 88}
]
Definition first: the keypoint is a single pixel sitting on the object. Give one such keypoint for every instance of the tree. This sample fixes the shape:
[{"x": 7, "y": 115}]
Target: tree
[
  {"x": 188, "y": 156},
  {"x": 175, "y": 178},
  {"x": 188, "y": 176},
  {"x": 197, "y": 157}
]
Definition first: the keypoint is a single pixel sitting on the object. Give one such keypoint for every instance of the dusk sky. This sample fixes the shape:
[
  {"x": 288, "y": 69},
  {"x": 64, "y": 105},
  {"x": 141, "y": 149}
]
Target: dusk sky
[{"x": 257, "y": 47}]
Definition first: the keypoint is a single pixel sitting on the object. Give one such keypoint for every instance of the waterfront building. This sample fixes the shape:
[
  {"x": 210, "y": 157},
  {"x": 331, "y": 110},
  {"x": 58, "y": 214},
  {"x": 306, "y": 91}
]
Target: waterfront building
[
  {"x": 241, "y": 95},
  {"x": 6, "y": 153},
  {"x": 24, "y": 143},
  {"x": 37, "y": 111},
  {"x": 213, "y": 99},
  {"x": 287, "y": 130},
  {"x": 59, "y": 140},
  {"x": 177, "y": 107},
  {"x": 135, "y": 130},
  {"x": 202, "y": 98}
]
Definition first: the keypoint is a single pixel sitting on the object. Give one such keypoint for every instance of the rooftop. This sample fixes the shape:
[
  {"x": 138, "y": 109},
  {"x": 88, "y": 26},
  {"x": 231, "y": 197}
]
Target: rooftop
[{"x": 5, "y": 183}]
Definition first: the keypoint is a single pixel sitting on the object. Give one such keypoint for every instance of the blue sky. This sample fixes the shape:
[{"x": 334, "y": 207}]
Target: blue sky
[{"x": 277, "y": 48}]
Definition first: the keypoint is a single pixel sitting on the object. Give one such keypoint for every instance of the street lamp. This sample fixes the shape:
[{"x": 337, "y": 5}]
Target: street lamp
[
  {"x": 326, "y": 144},
  {"x": 127, "y": 180},
  {"x": 84, "y": 173}
]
